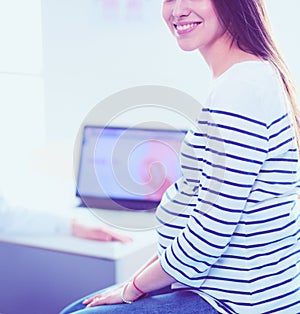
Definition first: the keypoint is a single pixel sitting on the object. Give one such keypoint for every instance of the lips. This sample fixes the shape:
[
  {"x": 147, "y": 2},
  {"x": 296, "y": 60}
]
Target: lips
[{"x": 184, "y": 28}]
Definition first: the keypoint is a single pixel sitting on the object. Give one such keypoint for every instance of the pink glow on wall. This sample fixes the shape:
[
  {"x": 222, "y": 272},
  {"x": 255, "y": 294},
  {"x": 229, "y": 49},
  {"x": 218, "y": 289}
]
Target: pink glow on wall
[{"x": 123, "y": 9}]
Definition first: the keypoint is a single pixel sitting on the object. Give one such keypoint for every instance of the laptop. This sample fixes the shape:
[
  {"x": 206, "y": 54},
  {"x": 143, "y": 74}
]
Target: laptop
[{"x": 127, "y": 168}]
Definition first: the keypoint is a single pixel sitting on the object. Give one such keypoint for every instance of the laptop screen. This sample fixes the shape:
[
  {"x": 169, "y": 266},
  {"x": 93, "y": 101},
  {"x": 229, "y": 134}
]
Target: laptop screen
[{"x": 127, "y": 168}]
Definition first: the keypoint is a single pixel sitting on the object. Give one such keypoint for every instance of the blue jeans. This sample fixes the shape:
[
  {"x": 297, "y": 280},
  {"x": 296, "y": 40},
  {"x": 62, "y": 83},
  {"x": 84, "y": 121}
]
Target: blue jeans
[{"x": 165, "y": 301}]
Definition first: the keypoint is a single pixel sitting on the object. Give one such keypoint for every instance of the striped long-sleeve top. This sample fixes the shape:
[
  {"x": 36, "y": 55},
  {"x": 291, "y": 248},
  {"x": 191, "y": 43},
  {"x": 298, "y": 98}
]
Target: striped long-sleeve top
[{"x": 229, "y": 228}]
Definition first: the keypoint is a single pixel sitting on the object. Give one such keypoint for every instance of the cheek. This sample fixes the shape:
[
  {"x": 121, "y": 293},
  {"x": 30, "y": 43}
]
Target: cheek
[
  {"x": 166, "y": 14},
  {"x": 218, "y": 28},
  {"x": 214, "y": 20}
]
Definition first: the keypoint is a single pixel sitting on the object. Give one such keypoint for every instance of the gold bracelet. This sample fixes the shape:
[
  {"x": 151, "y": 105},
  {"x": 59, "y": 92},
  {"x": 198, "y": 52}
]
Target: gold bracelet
[{"x": 122, "y": 295}]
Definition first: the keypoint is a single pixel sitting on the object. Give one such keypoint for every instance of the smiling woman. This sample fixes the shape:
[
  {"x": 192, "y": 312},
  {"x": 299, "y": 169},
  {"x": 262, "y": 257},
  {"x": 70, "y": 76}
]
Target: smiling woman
[
  {"x": 228, "y": 234},
  {"x": 194, "y": 23}
]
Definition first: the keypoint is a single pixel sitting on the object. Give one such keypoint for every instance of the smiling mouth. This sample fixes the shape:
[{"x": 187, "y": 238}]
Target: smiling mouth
[{"x": 186, "y": 28}]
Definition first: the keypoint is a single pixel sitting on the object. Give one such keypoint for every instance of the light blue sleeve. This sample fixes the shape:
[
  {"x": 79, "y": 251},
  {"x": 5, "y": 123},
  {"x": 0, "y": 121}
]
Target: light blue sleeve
[{"x": 22, "y": 221}]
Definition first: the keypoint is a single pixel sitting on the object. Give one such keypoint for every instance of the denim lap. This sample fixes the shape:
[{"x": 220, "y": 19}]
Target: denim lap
[{"x": 167, "y": 303}]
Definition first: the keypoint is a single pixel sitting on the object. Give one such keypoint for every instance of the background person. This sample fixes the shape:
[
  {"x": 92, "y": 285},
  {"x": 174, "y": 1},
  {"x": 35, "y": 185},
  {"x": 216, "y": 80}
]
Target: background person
[{"x": 22, "y": 221}]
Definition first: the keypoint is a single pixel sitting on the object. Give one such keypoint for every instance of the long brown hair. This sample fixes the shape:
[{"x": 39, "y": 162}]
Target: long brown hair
[{"x": 249, "y": 26}]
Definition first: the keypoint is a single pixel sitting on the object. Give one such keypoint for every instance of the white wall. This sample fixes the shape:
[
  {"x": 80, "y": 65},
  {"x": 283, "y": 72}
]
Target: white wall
[
  {"x": 22, "y": 105},
  {"x": 284, "y": 17}
]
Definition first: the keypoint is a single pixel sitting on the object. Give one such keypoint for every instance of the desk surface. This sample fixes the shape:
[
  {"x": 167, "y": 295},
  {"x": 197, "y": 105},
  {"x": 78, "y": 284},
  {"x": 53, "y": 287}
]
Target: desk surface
[{"x": 139, "y": 226}]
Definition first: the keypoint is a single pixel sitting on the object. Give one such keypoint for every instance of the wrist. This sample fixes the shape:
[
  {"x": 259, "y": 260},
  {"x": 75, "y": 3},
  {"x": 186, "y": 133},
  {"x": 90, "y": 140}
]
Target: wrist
[
  {"x": 129, "y": 293},
  {"x": 137, "y": 287},
  {"x": 132, "y": 293}
]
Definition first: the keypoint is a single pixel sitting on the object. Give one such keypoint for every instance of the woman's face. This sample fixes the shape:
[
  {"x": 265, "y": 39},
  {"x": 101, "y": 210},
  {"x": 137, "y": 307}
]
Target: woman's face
[{"x": 194, "y": 23}]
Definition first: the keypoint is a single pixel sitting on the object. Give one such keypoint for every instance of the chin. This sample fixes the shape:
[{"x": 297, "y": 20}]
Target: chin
[{"x": 187, "y": 47}]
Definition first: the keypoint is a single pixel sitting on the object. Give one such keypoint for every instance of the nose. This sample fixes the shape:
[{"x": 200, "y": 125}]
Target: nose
[{"x": 180, "y": 8}]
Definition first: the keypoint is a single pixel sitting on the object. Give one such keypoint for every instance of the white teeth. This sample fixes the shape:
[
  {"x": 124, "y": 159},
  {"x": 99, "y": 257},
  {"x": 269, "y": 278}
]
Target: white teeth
[{"x": 186, "y": 26}]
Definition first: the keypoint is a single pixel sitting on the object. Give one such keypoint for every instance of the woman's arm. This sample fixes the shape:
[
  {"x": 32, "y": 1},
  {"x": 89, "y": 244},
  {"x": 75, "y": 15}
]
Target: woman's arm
[
  {"x": 149, "y": 278},
  {"x": 145, "y": 266},
  {"x": 114, "y": 293}
]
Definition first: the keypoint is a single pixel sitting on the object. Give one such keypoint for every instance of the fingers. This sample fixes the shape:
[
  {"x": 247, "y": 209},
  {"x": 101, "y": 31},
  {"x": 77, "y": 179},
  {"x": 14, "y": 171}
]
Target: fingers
[
  {"x": 106, "y": 234},
  {"x": 102, "y": 300},
  {"x": 89, "y": 300},
  {"x": 109, "y": 296},
  {"x": 120, "y": 237},
  {"x": 99, "y": 235},
  {"x": 93, "y": 301},
  {"x": 102, "y": 233}
]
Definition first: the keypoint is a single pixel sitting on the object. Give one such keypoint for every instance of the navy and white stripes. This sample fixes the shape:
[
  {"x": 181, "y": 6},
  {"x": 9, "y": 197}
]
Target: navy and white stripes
[{"x": 229, "y": 228}]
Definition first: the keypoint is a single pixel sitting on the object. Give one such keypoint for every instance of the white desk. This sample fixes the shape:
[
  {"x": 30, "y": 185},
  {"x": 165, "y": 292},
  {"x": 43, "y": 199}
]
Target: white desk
[{"x": 41, "y": 275}]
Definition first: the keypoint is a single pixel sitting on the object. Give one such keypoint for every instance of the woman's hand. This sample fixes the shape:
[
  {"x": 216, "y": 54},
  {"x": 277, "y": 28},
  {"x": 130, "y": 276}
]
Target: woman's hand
[
  {"x": 111, "y": 296},
  {"x": 114, "y": 296}
]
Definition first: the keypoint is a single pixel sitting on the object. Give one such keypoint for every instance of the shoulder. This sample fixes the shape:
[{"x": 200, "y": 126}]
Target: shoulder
[{"x": 251, "y": 89}]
